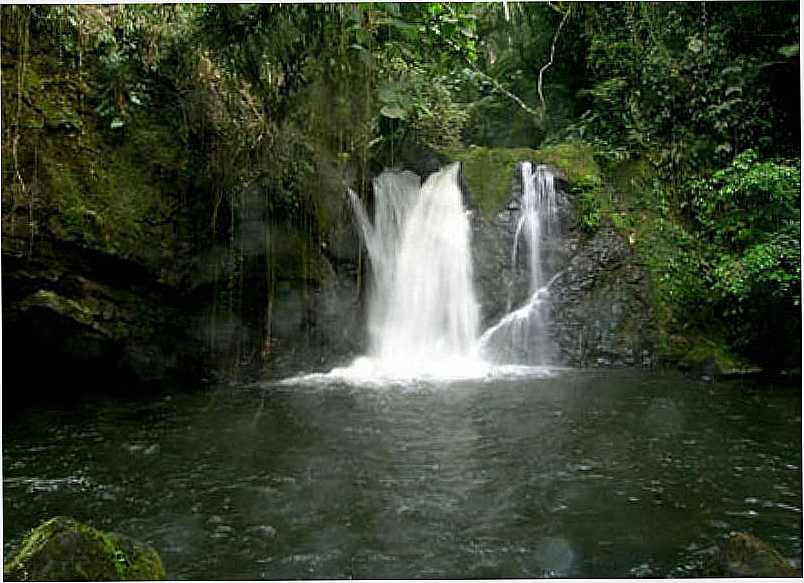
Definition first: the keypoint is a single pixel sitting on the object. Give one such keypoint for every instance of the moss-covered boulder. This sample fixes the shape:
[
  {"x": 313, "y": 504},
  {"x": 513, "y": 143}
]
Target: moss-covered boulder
[
  {"x": 63, "y": 549},
  {"x": 744, "y": 555}
]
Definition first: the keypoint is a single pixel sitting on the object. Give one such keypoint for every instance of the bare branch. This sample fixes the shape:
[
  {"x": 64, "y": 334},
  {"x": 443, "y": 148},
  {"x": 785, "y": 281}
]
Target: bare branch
[
  {"x": 505, "y": 92},
  {"x": 552, "y": 56}
]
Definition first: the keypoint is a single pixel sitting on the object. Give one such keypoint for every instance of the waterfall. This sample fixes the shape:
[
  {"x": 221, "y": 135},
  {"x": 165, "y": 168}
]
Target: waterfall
[
  {"x": 538, "y": 218},
  {"x": 423, "y": 315},
  {"x": 523, "y": 335}
]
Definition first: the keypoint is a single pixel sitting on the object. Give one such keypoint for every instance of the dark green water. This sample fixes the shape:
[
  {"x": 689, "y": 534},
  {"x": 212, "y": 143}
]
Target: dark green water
[{"x": 585, "y": 474}]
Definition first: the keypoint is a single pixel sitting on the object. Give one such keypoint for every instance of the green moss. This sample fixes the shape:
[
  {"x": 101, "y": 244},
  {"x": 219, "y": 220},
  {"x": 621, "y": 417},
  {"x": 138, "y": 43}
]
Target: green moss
[
  {"x": 489, "y": 171},
  {"x": 120, "y": 317},
  {"x": 686, "y": 331},
  {"x": 326, "y": 192},
  {"x": 699, "y": 349},
  {"x": 154, "y": 149},
  {"x": 54, "y": 89},
  {"x": 107, "y": 200},
  {"x": 63, "y": 549},
  {"x": 576, "y": 159},
  {"x": 667, "y": 252},
  {"x": 68, "y": 307},
  {"x": 115, "y": 192}
]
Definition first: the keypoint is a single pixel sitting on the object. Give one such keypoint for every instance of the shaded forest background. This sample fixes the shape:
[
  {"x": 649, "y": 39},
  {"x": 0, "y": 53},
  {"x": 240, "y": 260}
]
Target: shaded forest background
[{"x": 174, "y": 175}]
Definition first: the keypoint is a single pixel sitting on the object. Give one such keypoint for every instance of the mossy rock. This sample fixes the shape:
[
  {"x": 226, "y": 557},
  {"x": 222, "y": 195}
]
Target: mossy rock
[
  {"x": 744, "y": 555},
  {"x": 63, "y": 549},
  {"x": 698, "y": 351},
  {"x": 297, "y": 260},
  {"x": 489, "y": 171},
  {"x": 118, "y": 193},
  {"x": 112, "y": 320}
]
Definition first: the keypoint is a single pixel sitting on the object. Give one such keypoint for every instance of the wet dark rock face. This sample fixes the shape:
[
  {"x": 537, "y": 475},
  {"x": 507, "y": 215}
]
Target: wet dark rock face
[
  {"x": 600, "y": 304},
  {"x": 602, "y": 311},
  {"x": 501, "y": 284},
  {"x": 72, "y": 316},
  {"x": 318, "y": 327}
]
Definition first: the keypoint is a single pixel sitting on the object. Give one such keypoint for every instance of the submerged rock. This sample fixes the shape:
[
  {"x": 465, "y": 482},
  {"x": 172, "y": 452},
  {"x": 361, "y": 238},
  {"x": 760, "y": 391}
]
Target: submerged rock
[
  {"x": 63, "y": 549},
  {"x": 744, "y": 555}
]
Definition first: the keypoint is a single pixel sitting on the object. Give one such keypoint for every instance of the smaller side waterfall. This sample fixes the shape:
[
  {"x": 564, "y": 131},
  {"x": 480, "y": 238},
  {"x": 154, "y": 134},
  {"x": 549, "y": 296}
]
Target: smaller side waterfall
[
  {"x": 523, "y": 335},
  {"x": 537, "y": 220}
]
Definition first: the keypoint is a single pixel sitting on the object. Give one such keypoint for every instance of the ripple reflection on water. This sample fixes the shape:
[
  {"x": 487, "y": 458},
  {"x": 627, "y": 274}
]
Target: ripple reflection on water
[{"x": 577, "y": 474}]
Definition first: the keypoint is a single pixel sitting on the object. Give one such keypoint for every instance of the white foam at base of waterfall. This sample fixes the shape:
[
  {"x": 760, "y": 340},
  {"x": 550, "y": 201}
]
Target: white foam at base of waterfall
[{"x": 366, "y": 371}]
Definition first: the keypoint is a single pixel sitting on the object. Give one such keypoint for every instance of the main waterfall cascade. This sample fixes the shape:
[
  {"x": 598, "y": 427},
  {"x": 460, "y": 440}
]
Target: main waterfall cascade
[{"x": 423, "y": 315}]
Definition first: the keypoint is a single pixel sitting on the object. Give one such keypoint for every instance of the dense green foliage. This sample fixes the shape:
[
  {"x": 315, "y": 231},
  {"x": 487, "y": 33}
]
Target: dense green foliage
[
  {"x": 749, "y": 216},
  {"x": 253, "y": 119},
  {"x": 690, "y": 83},
  {"x": 701, "y": 94}
]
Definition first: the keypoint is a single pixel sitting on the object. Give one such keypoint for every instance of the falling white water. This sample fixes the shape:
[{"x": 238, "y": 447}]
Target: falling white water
[
  {"x": 522, "y": 335},
  {"x": 423, "y": 314},
  {"x": 423, "y": 309},
  {"x": 538, "y": 218}
]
